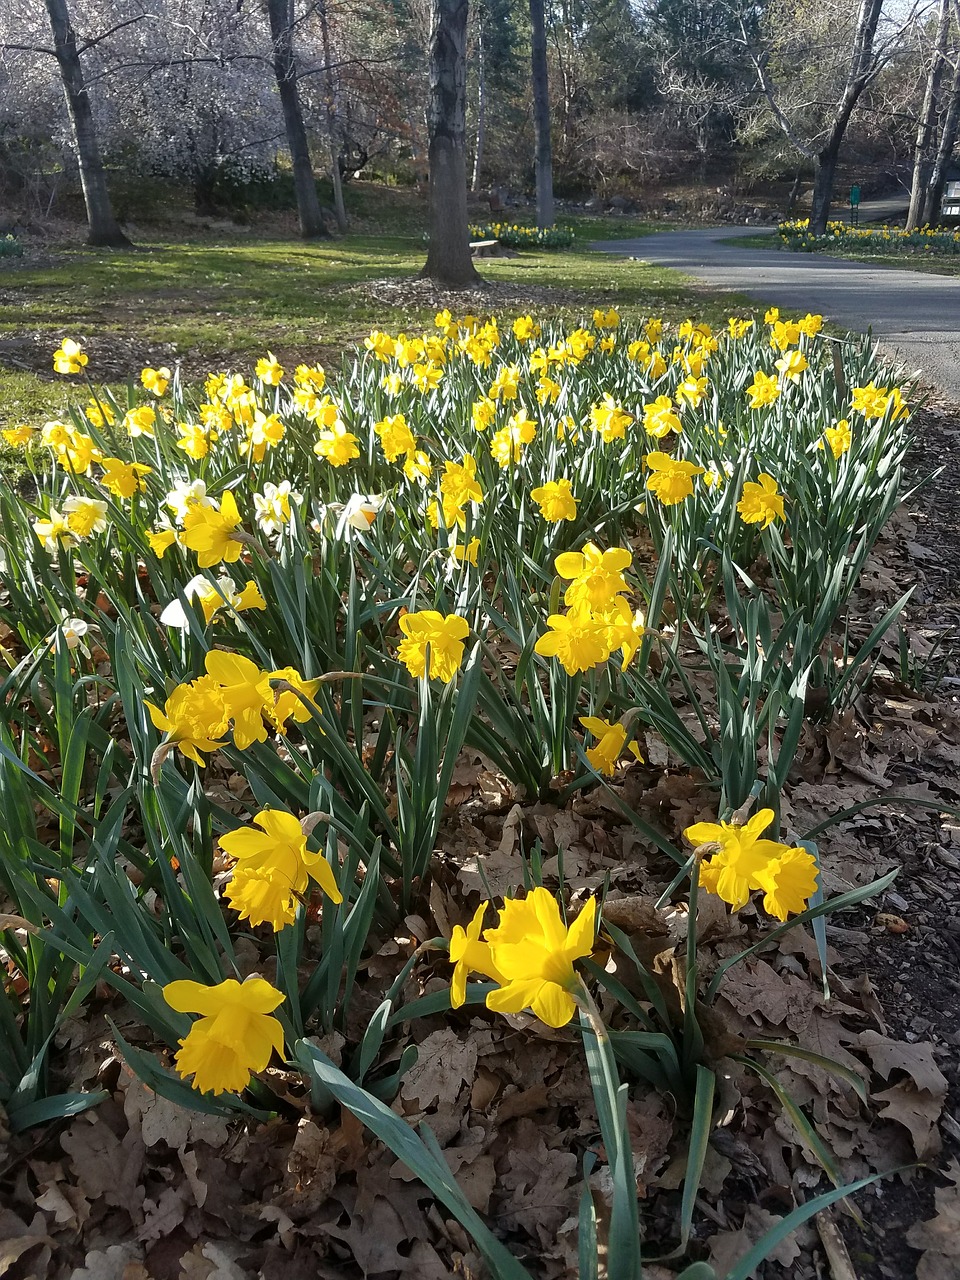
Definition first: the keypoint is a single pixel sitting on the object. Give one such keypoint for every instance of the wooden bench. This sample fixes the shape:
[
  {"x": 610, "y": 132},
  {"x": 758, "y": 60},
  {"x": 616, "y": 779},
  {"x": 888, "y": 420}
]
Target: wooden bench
[{"x": 484, "y": 248}]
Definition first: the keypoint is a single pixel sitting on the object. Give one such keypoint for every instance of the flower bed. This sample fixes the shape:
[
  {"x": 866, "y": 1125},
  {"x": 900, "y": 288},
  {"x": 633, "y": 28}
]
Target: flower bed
[
  {"x": 887, "y": 240},
  {"x": 257, "y": 635},
  {"x": 514, "y": 236}
]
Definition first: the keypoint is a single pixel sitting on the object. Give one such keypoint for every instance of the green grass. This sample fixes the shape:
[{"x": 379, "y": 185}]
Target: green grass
[{"x": 223, "y": 299}]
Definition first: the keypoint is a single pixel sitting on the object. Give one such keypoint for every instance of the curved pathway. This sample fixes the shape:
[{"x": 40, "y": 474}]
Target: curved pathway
[{"x": 915, "y": 315}]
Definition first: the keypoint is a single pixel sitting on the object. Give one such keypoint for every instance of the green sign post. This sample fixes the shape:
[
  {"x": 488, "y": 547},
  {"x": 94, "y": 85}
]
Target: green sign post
[{"x": 855, "y": 206}]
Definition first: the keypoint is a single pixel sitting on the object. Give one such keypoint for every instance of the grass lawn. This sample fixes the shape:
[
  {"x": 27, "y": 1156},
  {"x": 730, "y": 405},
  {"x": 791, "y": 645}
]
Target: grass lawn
[{"x": 223, "y": 298}]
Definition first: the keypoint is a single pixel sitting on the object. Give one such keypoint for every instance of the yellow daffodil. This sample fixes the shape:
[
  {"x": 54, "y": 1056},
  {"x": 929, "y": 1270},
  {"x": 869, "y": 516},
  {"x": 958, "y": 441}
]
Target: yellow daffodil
[
  {"x": 506, "y": 384},
  {"x": 123, "y": 479},
  {"x": 810, "y": 325},
  {"x": 263, "y": 433},
  {"x": 764, "y": 389},
  {"x": 161, "y": 541},
  {"x": 555, "y": 500},
  {"x": 871, "y": 400},
  {"x": 508, "y": 444},
  {"x": 483, "y": 413},
  {"x": 443, "y": 635},
  {"x": 692, "y": 391},
  {"x": 427, "y": 376},
  {"x": 596, "y": 576},
  {"x": 625, "y": 628},
  {"x": 338, "y": 446},
  {"x": 534, "y": 952},
  {"x": 234, "y": 1036},
  {"x": 525, "y": 329},
  {"x": 69, "y": 357},
  {"x": 788, "y": 882},
  {"x": 21, "y": 437},
  {"x": 791, "y": 365},
  {"x": 209, "y": 532},
  {"x": 273, "y": 869},
  {"x": 194, "y": 717},
  {"x": 466, "y": 553},
  {"x": 611, "y": 743},
  {"x": 395, "y": 436},
  {"x": 577, "y": 639},
  {"x": 839, "y": 437},
  {"x": 731, "y": 872},
  {"x": 245, "y": 693},
  {"x": 609, "y": 419},
  {"x": 194, "y": 440},
  {"x": 761, "y": 502},
  {"x": 285, "y": 704},
  {"x": 548, "y": 390},
  {"x": 380, "y": 345},
  {"x": 469, "y": 955},
  {"x": 659, "y": 418},
  {"x": 85, "y": 516},
  {"x": 672, "y": 478},
  {"x": 156, "y": 381},
  {"x": 99, "y": 414},
  {"x": 269, "y": 370},
  {"x": 458, "y": 486},
  {"x": 311, "y": 375},
  {"x": 141, "y": 421},
  {"x": 784, "y": 334}
]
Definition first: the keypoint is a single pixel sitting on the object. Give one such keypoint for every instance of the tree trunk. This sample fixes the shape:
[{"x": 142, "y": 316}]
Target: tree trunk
[
  {"x": 541, "y": 115},
  {"x": 794, "y": 195},
  {"x": 448, "y": 258},
  {"x": 333, "y": 131},
  {"x": 824, "y": 173},
  {"x": 103, "y": 226},
  {"x": 933, "y": 198},
  {"x": 481, "y": 110},
  {"x": 285, "y": 70},
  {"x": 923, "y": 156},
  {"x": 862, "y": 68}
]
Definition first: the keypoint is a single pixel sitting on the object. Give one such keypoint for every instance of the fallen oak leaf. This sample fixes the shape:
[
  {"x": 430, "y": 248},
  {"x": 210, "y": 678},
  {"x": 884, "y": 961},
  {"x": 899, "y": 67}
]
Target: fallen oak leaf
[
  {"x": 917, "y": 1110},
  {"x": 937, "y": 1236}
]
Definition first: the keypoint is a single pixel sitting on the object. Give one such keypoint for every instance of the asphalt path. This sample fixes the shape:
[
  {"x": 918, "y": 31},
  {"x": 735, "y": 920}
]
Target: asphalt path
[{"x": 914, "y": 315}]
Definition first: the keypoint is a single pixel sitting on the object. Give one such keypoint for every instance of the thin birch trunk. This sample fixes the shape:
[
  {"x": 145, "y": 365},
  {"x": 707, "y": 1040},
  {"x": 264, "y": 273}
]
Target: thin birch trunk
[{"x": 481, "y": 109}]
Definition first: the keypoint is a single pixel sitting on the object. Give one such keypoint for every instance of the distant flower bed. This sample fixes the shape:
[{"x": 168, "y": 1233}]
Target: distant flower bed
[
  {"x": 840, "y": 235},
  {"x": 512, "y": 236},
  {"x": 10, "y": 247}
]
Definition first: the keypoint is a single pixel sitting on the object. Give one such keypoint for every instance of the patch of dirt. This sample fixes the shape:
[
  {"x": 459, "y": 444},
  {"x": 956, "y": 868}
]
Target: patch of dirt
[{"x": 484, "y": 297}]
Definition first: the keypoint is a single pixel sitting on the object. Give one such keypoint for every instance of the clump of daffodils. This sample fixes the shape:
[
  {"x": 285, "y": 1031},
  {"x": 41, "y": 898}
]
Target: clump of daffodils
[{"x": 743, "y": 861}]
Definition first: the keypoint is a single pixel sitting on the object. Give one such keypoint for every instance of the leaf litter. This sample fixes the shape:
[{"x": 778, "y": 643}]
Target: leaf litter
[{"x": 139, "y": 1189}]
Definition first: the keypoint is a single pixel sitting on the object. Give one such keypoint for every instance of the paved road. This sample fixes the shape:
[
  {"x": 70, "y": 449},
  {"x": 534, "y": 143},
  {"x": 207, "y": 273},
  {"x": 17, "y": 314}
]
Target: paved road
[{"x": 915, "y": 315}]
